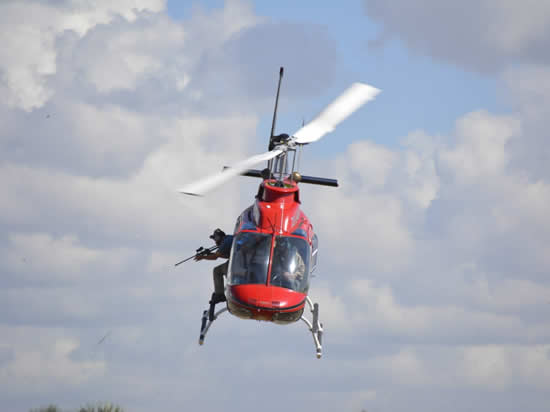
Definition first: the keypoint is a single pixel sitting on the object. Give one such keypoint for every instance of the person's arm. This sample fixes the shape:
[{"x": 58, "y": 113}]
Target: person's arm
[{"x": 212, "y": 256}]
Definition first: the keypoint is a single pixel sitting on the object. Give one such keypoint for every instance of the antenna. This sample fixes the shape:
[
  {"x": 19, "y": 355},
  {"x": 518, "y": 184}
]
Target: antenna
[
  {"x": 271, "y": 145},
  {"x": 281, "y": 71}
]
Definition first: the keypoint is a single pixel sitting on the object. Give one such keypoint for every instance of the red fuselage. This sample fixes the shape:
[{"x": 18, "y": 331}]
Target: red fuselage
[{"x": 270, "y": 234}]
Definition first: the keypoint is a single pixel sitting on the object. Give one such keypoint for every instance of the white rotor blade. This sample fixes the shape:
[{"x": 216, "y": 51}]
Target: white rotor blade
[
  {"x": 344, "y": 105},
  {"x": 208, "y": 183}
]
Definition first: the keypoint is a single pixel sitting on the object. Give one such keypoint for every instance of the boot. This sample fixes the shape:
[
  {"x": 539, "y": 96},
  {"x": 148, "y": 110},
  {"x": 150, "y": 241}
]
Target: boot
[{"x": 216, "y": 298}]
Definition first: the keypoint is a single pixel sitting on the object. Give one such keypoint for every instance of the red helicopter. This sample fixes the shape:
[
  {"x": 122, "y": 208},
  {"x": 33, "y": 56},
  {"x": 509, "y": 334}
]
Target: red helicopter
[{"x": 275, "y": 249}]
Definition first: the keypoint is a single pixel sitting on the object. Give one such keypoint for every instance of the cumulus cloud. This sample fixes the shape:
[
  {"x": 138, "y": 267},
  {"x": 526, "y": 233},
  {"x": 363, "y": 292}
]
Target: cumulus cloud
[
  {"x": 29, "y": 32},
  {"x": 500, "y": 366},
  {"x": 491, "y": 367},
  {"x": 429, "y": 322},
  {"x": 83, "y": 138},
  {"x": 433, "y": 255},
  {"x": 38, "y": 258},
  {"x": 119, "y": 57},
  {"x": 41, "y": 358},
  {"x": 103, "y": 121},
  {"x": 78, "y": 148},
  {"x": 307, "y": 53},
  {"x": 486, "y": 35},
  {"x": 442, "y": 227},
  {"x": 481, "y": 149},
  {"x": 526, "y": 90}
]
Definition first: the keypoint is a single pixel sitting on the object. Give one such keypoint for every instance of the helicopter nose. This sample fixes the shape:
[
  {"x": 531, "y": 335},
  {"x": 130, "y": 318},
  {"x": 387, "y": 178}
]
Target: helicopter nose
[{"x": 267, "y": 297}]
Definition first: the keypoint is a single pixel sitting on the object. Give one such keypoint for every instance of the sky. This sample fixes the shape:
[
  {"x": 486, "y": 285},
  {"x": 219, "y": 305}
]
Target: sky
[{"x": 432, "y": 277}]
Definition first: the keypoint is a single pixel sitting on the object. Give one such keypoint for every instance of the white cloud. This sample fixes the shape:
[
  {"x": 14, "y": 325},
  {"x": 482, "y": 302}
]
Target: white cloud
[
  {"x": 358, "y": 399},
  {"x": 529, "y": 88},
  {"x": 363, "y": 210},
  {"x": 433, "y": 255},
  {"x": 334, "y": 311},
  {"x": 122, "y": 208},
  {"x": 481, "y": 150},
  {"x": 383, "y": 314},
  {"x": 498, "y": 294},
  {"x": 371, "y": 163},
  {"x": 420, "y": 173},
  {"x": 485, "y": 367},
  {"x": 526, "y": 89},
  {"x": 120, "y": 57},
  {"x": 29, "y": 30},
  {"x": 42, "y": 361},
  {"x": 404, "y": 367},
  {"x": 466, "y": 212},
  {"x": 40, "y": 258},
  {"x": 83, "y": 138},
  {"x": 486, "y": 35},
  {"x": 499, "y": 366},
  {"x": 215, "y": 27}
]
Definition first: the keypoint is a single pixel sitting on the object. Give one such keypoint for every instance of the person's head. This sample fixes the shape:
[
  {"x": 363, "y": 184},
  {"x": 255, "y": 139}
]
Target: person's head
[
  {"x": 283, "y": 247},
  {"x": 217, "y": 236}
]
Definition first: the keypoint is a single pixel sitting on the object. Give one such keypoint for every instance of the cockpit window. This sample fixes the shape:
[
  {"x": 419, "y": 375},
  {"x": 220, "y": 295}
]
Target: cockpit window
[
  {"x": 249, "y": 258},
  {"x": 290, "y": 267}
]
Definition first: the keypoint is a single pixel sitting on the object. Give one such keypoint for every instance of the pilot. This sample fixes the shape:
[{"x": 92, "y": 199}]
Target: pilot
[
  {"x": 288, "y": 265},
  {"x": 224, "y": 243}
]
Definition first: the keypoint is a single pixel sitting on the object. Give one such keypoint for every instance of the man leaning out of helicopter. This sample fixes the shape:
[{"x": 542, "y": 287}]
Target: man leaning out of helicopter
[{"x": 224, "y": 243}]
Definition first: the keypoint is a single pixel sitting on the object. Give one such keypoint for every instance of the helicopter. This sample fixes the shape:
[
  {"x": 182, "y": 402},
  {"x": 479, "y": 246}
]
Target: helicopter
[{"x": 275, "y": 249}]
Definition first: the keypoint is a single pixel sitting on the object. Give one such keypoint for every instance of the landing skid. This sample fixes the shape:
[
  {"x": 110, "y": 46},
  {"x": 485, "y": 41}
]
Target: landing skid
[
  {"x": 315, "y": 327},
  {"x": 206, "y": 323}
]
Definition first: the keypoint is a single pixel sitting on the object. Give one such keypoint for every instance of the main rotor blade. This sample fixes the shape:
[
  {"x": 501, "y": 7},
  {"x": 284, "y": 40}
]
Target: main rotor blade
[
  {"x": 205, "y": 185},
  {"x": 344, "y": 105}
]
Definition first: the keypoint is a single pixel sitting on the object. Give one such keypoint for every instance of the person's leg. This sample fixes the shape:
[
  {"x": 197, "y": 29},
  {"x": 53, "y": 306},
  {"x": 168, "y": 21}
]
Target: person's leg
[
  {"x": 219, "y": 272},
  {"x": 218, "y": 295}
]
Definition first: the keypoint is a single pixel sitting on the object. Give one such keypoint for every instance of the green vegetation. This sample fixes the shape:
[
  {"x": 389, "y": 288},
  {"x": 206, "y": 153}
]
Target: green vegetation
[
  {"x": 50, "y": 408},
  {"x": 107, "y": 407}
]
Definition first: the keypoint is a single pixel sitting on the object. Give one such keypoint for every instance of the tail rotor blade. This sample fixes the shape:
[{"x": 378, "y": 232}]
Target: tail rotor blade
[
  {"x": 344, "y": 105},
  {"x": 205, "y": 185}
]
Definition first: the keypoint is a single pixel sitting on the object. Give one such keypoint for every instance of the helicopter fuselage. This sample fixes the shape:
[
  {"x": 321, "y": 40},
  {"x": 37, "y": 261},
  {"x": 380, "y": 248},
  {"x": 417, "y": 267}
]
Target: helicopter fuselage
[{"x": 273, "y": 254}]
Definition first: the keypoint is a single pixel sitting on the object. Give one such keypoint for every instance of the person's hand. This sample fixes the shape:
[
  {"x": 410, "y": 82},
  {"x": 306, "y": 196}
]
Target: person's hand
[{"x": 198, "y": 257}]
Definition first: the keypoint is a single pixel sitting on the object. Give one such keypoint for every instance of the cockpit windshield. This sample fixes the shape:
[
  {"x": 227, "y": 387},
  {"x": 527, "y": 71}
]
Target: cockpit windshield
[
  {"x": 249, "y": 258},
  {"x": 290, "y": 267}
]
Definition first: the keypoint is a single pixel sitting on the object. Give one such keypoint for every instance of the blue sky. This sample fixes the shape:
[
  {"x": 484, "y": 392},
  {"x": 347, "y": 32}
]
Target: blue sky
[{"x": 434, "y": 251}]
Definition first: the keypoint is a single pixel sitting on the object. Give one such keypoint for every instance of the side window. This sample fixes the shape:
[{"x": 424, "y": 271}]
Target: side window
[{"x": 314, "y": 252}]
